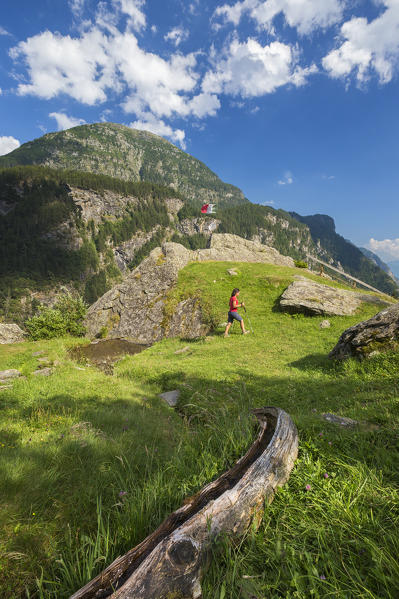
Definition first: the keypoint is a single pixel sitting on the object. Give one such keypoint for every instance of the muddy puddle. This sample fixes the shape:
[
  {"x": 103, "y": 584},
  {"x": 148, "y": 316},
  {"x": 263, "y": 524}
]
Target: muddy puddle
[{"x": 105, "y": 353}]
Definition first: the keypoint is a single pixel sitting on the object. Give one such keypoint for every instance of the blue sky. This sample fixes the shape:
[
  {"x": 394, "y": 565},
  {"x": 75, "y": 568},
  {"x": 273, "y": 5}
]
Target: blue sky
[{"x": 293, "y": 101}]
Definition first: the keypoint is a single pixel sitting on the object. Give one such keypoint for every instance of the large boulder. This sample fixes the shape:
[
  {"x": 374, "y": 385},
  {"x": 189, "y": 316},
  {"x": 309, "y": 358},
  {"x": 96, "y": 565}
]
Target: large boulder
[
  {"x": 225, "y": 247},
  {"x": 11, "y": 333},
  {"x": 378, "y": 334},
  {"x": 308, "y": 297},
  {"x": 135, "y": 307}
]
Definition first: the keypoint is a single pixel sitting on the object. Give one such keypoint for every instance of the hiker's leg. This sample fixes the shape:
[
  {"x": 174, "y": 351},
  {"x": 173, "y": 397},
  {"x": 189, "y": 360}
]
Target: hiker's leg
[
  {"x": 227, "y": 329},
  {"x": 242, "y": 326}
]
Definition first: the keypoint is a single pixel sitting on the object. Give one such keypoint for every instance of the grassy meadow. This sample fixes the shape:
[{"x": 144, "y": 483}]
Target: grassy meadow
[{"x": 92, "y": 463}]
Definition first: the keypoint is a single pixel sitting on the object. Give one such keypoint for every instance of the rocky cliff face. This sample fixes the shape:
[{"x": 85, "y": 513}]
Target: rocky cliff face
[{"x": 136, "y": 307}]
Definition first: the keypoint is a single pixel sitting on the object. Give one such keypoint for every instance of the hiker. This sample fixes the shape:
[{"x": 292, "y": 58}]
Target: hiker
[{"x": 233, "y": 313}]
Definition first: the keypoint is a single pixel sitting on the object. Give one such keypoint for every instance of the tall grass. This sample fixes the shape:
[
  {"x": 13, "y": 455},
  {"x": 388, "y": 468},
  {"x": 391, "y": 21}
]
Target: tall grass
[{"x": 90, "y": 464}]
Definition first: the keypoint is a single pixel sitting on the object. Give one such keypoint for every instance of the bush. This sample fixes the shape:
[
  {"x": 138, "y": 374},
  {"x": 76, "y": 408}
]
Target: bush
[
  {"x": 65, "y": 318},
  {"x": 301, "y": 264}
]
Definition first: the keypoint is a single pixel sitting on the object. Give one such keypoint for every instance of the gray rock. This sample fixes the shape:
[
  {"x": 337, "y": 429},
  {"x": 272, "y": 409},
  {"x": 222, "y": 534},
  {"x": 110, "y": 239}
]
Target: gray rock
[
  {"x": 225, "y": 247},
  {"x": 37, "y": 353},
  {"x": 171, "y": 397},
  {"x": 325, "y": 324},
  {"x": 377, "y": 334},
  {"x": 232, "y": 272},
  {"x": 43, "y": 372},
  {"x": 11, "y": 333},
  {"x": 308, "y": 297},
  {"x": 9, "y": 374},
  {"x": 340, "y": 420}
]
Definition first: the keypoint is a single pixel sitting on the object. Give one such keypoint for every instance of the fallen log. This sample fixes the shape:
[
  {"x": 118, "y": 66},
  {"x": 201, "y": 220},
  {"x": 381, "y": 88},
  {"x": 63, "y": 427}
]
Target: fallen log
[{"x": 172, "y": 560}]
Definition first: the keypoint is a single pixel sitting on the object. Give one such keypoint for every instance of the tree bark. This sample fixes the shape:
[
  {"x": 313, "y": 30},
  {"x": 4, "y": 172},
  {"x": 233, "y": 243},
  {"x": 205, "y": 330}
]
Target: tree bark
[{"x": 171, "y": 562}]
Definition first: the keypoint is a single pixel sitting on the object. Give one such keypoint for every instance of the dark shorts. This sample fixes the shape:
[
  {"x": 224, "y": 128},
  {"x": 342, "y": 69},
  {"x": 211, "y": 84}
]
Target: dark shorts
[{"x": 232, "y": 316}]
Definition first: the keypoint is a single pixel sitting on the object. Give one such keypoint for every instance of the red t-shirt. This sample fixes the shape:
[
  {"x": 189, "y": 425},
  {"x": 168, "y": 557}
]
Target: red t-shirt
[{"x": 232, "y": 308}]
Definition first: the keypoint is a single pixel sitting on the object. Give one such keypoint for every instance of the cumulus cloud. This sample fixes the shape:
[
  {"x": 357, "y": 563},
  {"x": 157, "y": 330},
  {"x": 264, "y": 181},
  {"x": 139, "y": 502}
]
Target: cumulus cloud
[
  {"x": 287, "y": 180},
  {"x": 133, "y": 9},
  {"x": 4, "y": 31},
  {"x": 64, "y": 121},
  {"x": 304, "y": 15},
  {"x": 388, "y": 249},
  {"x": 159, "y": 127},
  {"x": 90, "y": 67},
  {"x": 176, "y": 36},
  {"x": 8, "y": 144},
  {"x": 249, "y": 69},
  {"x": 367, "y": 47}
]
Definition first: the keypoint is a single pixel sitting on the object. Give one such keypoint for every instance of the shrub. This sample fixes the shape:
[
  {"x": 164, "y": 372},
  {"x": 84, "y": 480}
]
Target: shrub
[
  {"x": 301, "y": 264},
  {"x": 65, "y": 318}
]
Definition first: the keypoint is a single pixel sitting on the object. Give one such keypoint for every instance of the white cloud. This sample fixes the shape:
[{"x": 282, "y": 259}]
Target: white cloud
[
  {"x": 78, "y": 67},
  {"x": 159, "y": 127},
  {"x": 64, "y": 121},
  {"x": 89, "y": 67},
  {"x": 287, "y": 180},
  {"x": 387, "y": 249},
  {"x": 77, "y": 7},
  {"x": 304, "y": 15},
  {"x": 367, "y": 47},
  {"x": 154, "y": 29},
  {"x": 176, "y": 36},
  {"x": 249, "y": 69},
  {"x": 8, "y": 144},
  {"x": 133, "y": 8},
  {"x": 4, "y": 31}
]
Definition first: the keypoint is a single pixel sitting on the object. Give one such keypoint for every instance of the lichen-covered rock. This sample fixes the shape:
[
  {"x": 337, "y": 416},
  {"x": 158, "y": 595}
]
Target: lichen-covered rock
[
  {"x": 225, "y": 247},
  {"x": 135, "y": 308},
  {"x": 378, "y": 334},
  {"x": 11, "y": 333},
  {"x": 308, "y": 297}
]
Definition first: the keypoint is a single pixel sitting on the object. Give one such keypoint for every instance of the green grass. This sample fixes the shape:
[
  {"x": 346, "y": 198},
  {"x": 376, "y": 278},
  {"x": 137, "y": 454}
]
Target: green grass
[{"x": 72, "y": 442}]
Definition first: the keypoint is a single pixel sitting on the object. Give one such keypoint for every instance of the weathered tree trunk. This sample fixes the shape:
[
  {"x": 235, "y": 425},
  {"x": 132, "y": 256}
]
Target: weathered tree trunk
[{"x": 172, "y": 560}]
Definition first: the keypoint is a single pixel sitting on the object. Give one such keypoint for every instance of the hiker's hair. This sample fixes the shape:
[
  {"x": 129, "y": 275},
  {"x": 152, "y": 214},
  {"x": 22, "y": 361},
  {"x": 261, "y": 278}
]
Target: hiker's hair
[{"x": 234, "y": 292}]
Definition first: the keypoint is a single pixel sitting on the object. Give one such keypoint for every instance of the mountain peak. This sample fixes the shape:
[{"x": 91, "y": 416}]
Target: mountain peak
[{"x": 125, "y": 153}]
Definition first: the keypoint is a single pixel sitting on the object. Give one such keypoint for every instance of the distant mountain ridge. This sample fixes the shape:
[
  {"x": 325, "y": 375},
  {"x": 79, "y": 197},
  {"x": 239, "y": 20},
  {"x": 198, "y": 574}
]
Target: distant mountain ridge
[
  {"x": 377, "y": 260},
  {"x": 125, "y": 153},
  {"x": 340, "y": 252}
]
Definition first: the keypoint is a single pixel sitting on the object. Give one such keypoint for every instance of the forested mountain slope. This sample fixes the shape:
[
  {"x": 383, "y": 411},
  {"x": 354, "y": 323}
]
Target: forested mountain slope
[
  {"x": 125, "y": 153},
  {"x": 338, "y": 251}
]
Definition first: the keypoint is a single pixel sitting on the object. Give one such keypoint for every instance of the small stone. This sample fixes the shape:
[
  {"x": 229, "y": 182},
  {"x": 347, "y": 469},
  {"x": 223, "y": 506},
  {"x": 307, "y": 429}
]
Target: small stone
[
  {"x": 340, "y": 420},
  {"x": 37, "y": 353},
  {"x": 171, "y": 397},
  {"x": 325, "y": 324},
  {"x": 232, "y": 272},
  {"x": 9, "y": 374},
  {"x": 183, "y": 350},
  {"x": 44, "y": 359},
  {"x": 43, "y": 372},
  {"x": 374, "y": 353}
]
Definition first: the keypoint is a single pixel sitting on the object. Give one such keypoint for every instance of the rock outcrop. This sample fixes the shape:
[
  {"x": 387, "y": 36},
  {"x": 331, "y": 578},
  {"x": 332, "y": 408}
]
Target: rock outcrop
[
  {"x": 135, "y": 308},
  {"x": 225, "y": 247},
  {"x": 11, "y": 333},
  {"x": 306, "y": 296},
  {"x": 378, "y": 334}
]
